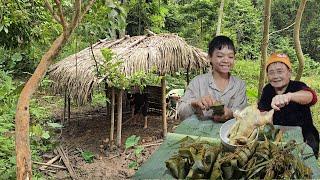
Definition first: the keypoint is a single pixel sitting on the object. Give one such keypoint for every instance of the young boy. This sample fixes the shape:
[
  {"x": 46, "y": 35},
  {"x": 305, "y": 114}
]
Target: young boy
[{"x": 218, "y": 85}]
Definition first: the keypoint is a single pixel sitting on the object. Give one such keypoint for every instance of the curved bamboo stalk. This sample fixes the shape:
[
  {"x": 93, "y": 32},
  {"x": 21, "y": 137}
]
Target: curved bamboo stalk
[
  {"x": 297, "y": 45},
  {"x": 220, "y": 18},
  {"x": 264, "y": 45}
]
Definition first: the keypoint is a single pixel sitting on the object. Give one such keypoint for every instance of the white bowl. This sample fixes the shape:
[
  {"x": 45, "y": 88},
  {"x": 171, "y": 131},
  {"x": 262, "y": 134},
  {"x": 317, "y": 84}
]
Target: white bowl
[{"x": 224, "y": 132}]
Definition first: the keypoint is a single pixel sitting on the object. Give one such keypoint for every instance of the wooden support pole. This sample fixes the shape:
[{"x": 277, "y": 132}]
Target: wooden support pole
[
  {"x": 176, "y": 110},
  {"x": 106, "y": 92},
  {"x": 112, "y": 115},
  {"x": 119, "y": 120},
  {"x": 64, "y": 107},
  {"x": 69, "y": 102},
  {"x": 188, "y": 73},
  {"x": 164, "y": 117}
]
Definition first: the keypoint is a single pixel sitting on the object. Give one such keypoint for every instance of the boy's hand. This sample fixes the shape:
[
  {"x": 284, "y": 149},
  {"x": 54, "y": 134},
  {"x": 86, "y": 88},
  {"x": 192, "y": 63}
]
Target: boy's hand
[
  {"x": 226, "y": 116},
  {"x": 204, "y": 103}
]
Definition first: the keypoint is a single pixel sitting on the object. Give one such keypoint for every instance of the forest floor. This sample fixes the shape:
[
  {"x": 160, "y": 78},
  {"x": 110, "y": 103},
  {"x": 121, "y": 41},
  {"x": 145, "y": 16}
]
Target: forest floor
[{"x": 89, "y": 130}]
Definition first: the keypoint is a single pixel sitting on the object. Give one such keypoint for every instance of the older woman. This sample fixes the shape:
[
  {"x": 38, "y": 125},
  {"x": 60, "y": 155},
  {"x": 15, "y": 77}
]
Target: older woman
[{"x": 290, "y": 99}]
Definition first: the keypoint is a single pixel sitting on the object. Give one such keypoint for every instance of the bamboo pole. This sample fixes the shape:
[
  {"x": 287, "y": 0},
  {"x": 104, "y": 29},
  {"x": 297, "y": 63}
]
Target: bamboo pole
[
  {"x": 220, "y": 15},
  {"x": 119, "y": 120},
  {"x": 106, "y": 91},
  {"x": 69, "y": 102},
  {"x": 188, "y": 73},
  {"x": 297, "y": 44},
  {"x": 112, "y": 115},
  {"x": 64, "y": 107},
  {"x": 264, "y": 45},
  {"x": 164, "y": 117}
]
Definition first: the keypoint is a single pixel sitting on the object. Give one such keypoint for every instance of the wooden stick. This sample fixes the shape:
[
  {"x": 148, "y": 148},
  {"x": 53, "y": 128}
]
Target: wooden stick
[
  {"x": 149, "y": 145},
  {"x": 113, "y": 156},
  {"x": 51, "y": 165},
  {"x": 137, "y": 42},
  {"x": 112, "y": 115},
  {"x": 69, "y": 100},
  {"x": 49, "y": 162},
  {"x": 164, "y": 117},
  {"x": 67, "y": 162},
  {"x": 85, "y": 115},
  {"x": 52, "y": 171},
  {"x": 116, "y": 42},
  {"x": 119, "y": 120},
  {"x": 64, "y": 107},
  {"x": 282, "y": 29},
  {"x": 128, "y": 50}
]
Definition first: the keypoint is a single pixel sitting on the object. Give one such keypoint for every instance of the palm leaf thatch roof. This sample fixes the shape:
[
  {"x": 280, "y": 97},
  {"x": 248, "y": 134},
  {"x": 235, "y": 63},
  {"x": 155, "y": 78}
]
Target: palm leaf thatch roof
[{"x": 77, "y": 74}]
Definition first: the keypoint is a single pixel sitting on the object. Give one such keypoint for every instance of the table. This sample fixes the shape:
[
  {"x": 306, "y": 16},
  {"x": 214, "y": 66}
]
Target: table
[{"x": 155, "y": 168}]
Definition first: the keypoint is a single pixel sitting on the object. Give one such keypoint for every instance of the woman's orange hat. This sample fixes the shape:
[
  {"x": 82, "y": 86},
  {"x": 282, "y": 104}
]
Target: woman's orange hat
[{"x": 278, "y": 57}]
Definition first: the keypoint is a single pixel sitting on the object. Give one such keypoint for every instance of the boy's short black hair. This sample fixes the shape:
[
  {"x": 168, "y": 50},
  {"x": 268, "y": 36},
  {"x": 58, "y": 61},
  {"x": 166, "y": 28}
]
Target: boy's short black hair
[{"x": 219, "y": 42}]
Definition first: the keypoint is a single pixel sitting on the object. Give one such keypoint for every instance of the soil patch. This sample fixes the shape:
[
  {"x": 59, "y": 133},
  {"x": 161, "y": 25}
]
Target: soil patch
[{"x": 89, "y": 130}]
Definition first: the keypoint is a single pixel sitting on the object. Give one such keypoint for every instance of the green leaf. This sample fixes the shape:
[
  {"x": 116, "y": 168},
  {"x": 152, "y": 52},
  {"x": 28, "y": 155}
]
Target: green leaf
[
  {"x": 55, "y": 125},
  {"x": 16, "y": 57},
  {"x": 133, "y": 165},
  {"x": 6, "y": 30},
  {"x": 87, "y": 156},
  {"x": 37, "y": 130},
  {"x": 138, "y": 150},
  {"x": 12, "y": 159},
  {"x": 46, "y": 135},
  {"x": 132, "y": 141}
]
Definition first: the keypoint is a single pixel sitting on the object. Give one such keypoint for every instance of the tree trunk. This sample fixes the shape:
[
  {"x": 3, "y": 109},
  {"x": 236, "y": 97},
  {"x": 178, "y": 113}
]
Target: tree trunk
[
  {"x": 24, "y": 170},
  {"x": 264, "y": 45},
  {"x": 220, "y": 18},
  {"x": 297, "y": 45},
  {"x": 22, "y": 117}
]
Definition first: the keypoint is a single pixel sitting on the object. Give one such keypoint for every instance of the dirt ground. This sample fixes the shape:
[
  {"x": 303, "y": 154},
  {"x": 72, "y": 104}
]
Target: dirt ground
[{"x": 89, "y": 131}]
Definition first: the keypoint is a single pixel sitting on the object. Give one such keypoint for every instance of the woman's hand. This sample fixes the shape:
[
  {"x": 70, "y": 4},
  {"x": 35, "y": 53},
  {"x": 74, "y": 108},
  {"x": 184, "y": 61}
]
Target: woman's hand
[{"x": 280, "y": 101}]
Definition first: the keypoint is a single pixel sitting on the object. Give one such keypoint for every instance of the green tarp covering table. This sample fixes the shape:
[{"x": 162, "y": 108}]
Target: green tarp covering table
[{"x": 155, "y": 167}]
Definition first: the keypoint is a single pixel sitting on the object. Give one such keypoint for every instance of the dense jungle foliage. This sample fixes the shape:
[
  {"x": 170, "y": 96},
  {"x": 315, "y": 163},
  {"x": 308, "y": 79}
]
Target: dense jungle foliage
[{"x": 27, "y": 30}]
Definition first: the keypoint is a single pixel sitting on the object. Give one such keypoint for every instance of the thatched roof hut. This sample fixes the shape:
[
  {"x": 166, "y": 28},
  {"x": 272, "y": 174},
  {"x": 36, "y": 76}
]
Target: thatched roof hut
[{"x": 77, "y": 74}]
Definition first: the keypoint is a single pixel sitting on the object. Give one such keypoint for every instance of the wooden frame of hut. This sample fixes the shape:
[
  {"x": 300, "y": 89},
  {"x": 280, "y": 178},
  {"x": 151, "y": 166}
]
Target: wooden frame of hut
[{"x": 76, "y": 75}]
